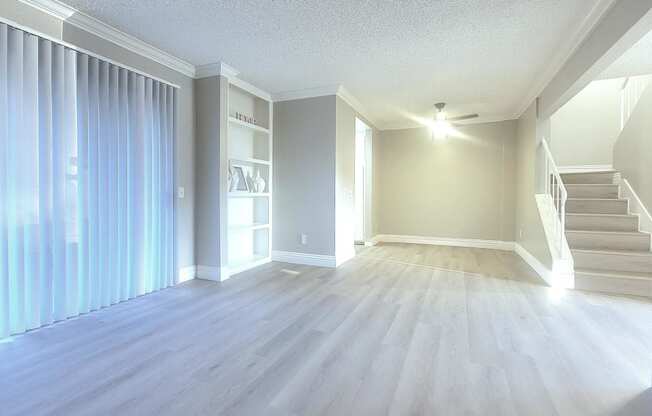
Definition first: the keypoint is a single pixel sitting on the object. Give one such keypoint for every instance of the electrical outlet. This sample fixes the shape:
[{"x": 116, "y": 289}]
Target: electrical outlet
[
  {"x": 520, "y": 233},
  {"x": 304, "y": 239},
  {"x": 181, "y": 192}
]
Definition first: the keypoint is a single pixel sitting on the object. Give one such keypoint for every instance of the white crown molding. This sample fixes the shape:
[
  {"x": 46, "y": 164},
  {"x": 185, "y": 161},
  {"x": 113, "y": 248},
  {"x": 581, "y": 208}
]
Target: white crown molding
[
  {"x": 337, "y": 90},
  {"x": 215, "y": 69},
  {"x": 52, "y": 7},
  {"x": 318, "y": 260},
  {"x": 306, "y": 93},
  {"x": 111, "y": 34},
  {"x": 564, "y": 53},
  {"x": 345, "y": 95},
  {"x": 239, "y": 82}
]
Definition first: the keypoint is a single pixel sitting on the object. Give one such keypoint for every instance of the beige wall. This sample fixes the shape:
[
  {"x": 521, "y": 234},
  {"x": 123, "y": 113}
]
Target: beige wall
[
  {"x": 633, "y": 150},
  {"x": 529, "y": 230},
  {"x": 456, "y": 188},
  {"x": 27, "y": 16},
  {"x": 584, "y": 130}
]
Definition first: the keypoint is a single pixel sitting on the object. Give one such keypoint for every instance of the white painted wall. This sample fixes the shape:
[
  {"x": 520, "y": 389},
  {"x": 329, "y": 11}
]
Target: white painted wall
[
  {"x": 633, "y": 150},
  {"x": 584, "y": 130}
]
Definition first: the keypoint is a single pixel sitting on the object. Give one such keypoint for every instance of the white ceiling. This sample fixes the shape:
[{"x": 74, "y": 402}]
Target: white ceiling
[
  {"x": 636, "y": 61},
  {"x": 396, "y": 57}
]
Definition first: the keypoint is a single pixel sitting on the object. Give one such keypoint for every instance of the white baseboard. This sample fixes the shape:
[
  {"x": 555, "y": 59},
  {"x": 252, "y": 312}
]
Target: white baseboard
[
  {"x": 562, "y": 274},
  {"x": 557, "y": 277},
  {"x": 215, "y": 274},
  {"x": 318, "y": 260},
  {"x": 636, "y": 206},
  {"x": 453, "y": 242},
  {"x": 533, "y": 262},
  {"x": 187, "y": 273},
  {"x": 344, "y": 256},
  {"x": 584, "y": 168}
]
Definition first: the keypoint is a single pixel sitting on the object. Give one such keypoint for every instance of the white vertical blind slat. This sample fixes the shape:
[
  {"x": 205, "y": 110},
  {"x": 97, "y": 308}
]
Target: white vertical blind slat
[{"x": 86, "y": 174}]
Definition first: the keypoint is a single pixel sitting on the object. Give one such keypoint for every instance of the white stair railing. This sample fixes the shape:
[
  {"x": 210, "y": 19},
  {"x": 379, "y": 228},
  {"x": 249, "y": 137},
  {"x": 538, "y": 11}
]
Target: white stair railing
[{"x": 555, "y": 189}]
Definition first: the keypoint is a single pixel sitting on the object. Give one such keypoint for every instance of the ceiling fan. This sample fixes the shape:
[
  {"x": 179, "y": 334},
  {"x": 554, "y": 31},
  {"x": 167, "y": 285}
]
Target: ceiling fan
[{"x": 442, "y": 125}]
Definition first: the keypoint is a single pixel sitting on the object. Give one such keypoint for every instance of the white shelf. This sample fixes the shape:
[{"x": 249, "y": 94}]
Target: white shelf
[
  {"x": 244, "y": 227},
  {"x": 248, "y": 214},
  {"x": 248, "y": 194},
  {"x": 248, "y": 125},
  {"x": 252, "y": 161}
]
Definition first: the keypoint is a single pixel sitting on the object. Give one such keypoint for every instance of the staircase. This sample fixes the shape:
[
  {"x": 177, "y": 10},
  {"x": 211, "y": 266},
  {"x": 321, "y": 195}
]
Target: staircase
[{"x": 610, "y": 253}]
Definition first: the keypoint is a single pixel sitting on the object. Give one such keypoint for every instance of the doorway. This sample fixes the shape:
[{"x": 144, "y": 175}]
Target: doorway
[{"x": 363, "y": 182}]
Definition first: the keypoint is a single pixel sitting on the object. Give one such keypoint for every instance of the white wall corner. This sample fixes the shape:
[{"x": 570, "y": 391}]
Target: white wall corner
[
  {"x": 318, "y": 260},
  {"x": 443, "y": 241},
  {"x": 187, "y": 273}
]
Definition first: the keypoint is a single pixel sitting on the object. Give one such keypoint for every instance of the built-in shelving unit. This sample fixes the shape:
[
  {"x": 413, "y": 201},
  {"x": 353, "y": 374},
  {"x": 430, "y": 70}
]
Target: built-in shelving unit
[
  {"x": 249, "y": 147},
  {"x": 234, "y": 132}
]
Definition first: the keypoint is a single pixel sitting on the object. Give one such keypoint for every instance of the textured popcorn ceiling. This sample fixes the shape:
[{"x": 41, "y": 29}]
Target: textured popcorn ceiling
[
  {"x": 396, "y": 57},
  {"x": 636, "y": 61}
]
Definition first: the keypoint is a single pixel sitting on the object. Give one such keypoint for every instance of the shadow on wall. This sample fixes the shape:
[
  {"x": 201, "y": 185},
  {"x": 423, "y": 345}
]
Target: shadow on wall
[{"x": 640, "y": 405}]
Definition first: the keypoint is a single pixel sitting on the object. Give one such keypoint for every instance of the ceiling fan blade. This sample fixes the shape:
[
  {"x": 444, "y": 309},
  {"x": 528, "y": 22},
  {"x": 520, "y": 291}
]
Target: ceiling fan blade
[{"x": 459, "y": 118}]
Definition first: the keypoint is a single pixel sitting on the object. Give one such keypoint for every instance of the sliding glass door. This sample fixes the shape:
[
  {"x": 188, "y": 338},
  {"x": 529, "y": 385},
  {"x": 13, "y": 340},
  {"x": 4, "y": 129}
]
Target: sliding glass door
[{"x": 86, "y": 183}]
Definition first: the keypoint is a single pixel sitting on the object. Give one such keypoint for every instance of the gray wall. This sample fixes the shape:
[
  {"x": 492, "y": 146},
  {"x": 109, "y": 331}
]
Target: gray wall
[
  {"x": 633, "y": 150},
  {"x": 584, "y": 130},
  {"x": 529, "y": 230},
  {"x": 29, "y": 17},
  {"x": 304, "y": 175},
  {"x": 461, "y": 187},
  {"x": 207, "y": 201}
]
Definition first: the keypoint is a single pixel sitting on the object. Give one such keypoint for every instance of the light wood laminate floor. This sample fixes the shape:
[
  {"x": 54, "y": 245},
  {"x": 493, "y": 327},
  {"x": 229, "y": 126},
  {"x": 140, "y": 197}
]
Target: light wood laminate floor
[{"x": 399, "y": 330}]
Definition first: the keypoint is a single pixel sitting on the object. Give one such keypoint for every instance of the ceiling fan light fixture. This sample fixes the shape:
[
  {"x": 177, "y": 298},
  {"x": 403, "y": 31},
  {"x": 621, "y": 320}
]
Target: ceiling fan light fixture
[{"x": 440, "y": 129}]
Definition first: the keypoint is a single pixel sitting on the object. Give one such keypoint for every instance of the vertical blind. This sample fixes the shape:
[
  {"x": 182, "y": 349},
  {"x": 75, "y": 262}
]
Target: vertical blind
[{"x": 86, "y": 183}]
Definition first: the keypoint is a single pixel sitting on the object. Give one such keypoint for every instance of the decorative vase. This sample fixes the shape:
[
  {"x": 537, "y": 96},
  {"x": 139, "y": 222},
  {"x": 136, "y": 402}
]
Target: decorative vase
[
  {"x": 250, "y": 182},
  {"x": 259, "y": 182},
  {"x": 233, "y": 181}
]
